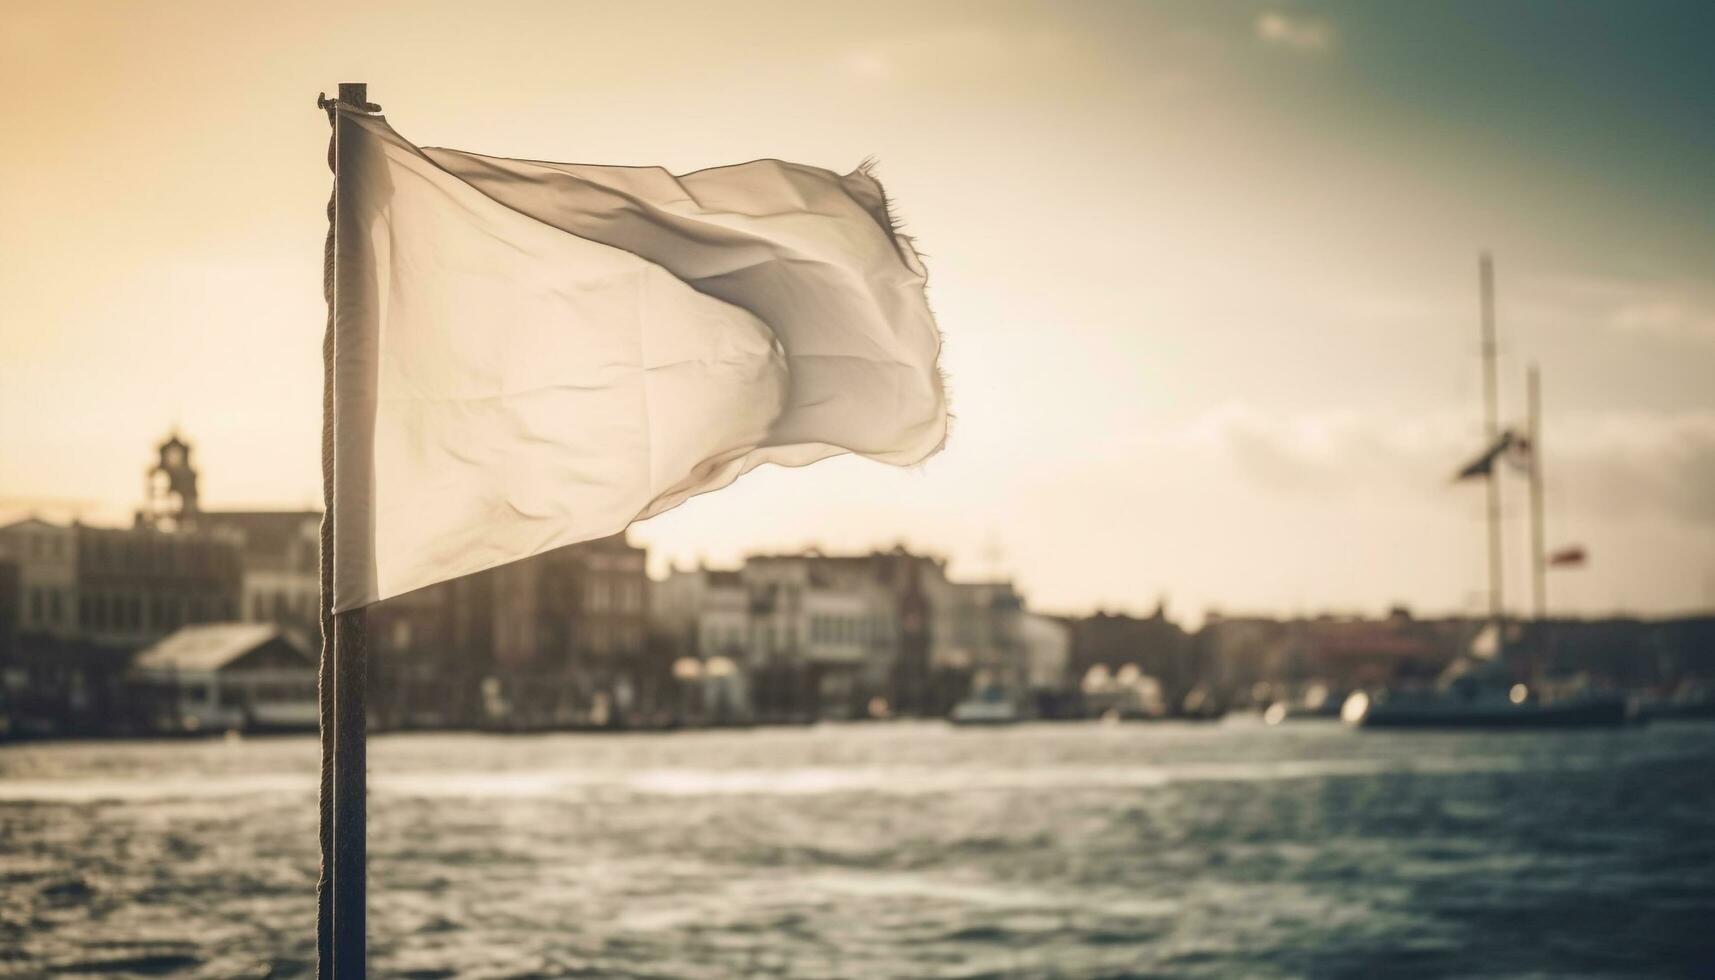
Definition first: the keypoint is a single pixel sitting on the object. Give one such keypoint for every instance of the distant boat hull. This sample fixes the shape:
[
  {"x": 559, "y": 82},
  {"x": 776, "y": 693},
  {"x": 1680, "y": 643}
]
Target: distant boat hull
[
  {"x": 1451, "y": 712},
  {"x": 977, "y": 712},
  {"x": 1680, "y": 711}
]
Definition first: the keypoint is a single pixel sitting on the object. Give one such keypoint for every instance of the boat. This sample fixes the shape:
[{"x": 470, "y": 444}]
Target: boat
[
  {"x": 1201, "y": 704},
  {"x": 990, "y": 706},
  {"x": 1483, "y": 705},
  {"x": 1126, "y": 694},
  {"x": 1486, "y": 688},
  {"x": 1689, "y": 702},
  {"x": 1317, "y": 703}
]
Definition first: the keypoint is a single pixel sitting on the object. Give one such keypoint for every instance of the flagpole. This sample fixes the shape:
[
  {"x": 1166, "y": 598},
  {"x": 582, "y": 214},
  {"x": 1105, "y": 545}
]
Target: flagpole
[
  {"x": 1491, "y": 433},
  {"x": 1538, "y": 558},
  {"x": 341, "y": 892}
]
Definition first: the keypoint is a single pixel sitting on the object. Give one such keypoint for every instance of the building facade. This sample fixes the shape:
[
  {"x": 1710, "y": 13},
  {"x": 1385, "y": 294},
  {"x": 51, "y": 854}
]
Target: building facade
[
  {"x": 119, "y": 586},
  {"x": 852, "y": 636},
  {"x": 555, "y": 640},
  {"x": 281, "y": 556}
]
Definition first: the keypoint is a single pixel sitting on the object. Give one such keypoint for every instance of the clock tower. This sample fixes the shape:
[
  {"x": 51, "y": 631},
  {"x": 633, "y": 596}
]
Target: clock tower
[{"x": 170, "y": 488}]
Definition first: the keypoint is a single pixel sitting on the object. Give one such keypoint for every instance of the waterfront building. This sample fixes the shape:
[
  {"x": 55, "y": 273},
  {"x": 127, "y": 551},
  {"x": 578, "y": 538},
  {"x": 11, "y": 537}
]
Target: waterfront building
[
  {"x": 119, "y": 586},
  {"x": 1243, "y": 656},
  {"x": 1263, "y": 659},
  {"x": 1357, "y": 652},
  {"x": 699, "y": 618},
  {"x": 123, "y": 587},
  {"x": 900, "y": 675},
  {"x": 823, "y": 635},
  {"x": 1047, "y": 651},
  {"x": 703, "y": 612},
  {"x": 429, "y": 652},
  {"x": 51, "y": 685},
  {"x": 833, "y": 636},
  {"x": 977, "y": 628},
  {"x": 280, "y": 551},
  {"x": 555, "y": 640},
  {"x": 1151, "y": 646},
  {"x": 9, "y": 593},
  {"x": 227, "y": 676}
]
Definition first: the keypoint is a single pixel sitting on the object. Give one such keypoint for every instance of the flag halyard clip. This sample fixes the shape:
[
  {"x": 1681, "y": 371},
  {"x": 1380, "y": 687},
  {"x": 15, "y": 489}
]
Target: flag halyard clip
[{"x": 327, "y": 104}]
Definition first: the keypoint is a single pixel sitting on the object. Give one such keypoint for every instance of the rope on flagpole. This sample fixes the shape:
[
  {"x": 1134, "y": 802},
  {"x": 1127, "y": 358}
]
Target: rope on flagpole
[{"x": 324, "y": 678}]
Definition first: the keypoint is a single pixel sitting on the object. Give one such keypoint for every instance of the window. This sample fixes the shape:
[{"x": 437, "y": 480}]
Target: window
[
  {"x": 598, "y": 594},
  {"x": 35, "y": 602}
]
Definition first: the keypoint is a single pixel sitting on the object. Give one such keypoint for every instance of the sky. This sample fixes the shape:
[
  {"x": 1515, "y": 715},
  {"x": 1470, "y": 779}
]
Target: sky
[{"x": 1206, "y": 273}]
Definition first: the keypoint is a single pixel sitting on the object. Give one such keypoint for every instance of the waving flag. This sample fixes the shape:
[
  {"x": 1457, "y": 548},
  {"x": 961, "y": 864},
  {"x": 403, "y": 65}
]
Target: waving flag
[
  {"x": 533, "y": 354},
  {"x": 1484, "y": 465}
]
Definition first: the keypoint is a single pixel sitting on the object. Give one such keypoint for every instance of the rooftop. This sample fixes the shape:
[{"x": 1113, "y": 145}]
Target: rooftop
[{"x": 208, "y": 646}]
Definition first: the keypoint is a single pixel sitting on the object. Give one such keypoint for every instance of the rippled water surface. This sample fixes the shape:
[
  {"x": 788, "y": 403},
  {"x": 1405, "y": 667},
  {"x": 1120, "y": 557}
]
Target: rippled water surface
[{"x": 909, "y": 850}]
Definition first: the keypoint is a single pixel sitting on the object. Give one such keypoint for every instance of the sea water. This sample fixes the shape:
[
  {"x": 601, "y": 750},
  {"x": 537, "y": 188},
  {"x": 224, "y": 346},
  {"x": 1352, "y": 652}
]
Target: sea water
[{"x": 883, "y": 850}]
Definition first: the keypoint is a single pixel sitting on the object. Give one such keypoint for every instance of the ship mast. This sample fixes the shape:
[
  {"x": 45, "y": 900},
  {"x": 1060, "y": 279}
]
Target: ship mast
[
  {"x": 1538, "y": 557},
  {"x": 1491, "y": 435}
]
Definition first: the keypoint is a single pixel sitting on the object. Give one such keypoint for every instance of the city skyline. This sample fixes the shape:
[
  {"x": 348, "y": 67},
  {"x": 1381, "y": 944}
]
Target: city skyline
[{"x": 1207, "y": 276}]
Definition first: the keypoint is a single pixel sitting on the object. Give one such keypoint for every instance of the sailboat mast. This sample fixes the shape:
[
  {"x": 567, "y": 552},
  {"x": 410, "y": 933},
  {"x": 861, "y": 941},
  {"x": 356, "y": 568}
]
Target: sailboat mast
[
  {"x": 1491, "y": 434},
  {"x": 1538, "y": 557}
]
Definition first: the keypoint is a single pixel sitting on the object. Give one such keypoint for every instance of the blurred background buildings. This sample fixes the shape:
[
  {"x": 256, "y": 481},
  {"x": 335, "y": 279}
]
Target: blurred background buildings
[{"x": 196, "y": 620}]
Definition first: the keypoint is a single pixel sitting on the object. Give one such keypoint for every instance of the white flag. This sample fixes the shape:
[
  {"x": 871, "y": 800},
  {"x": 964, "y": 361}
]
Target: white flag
[{"x": 534, "y": 354}]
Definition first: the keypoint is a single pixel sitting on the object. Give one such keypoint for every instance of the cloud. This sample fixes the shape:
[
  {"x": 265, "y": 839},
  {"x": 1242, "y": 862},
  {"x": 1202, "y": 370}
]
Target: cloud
[
  {"x": 1663, "y": 309},
  {"x": 1626, "y": 465},
  {"x": 1331, "y": 452},
  {"x": 1295, "y": 32},
  {"x": 1613, "y": 466}
]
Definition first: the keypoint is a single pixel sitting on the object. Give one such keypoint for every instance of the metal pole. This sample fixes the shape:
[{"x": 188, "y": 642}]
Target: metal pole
[
  {"x": 1491, "y": 433},
  {"x": 350, "y": 855},
  {"x": 341, "y": 925},
  {"x": 1538, "y": 558}
]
